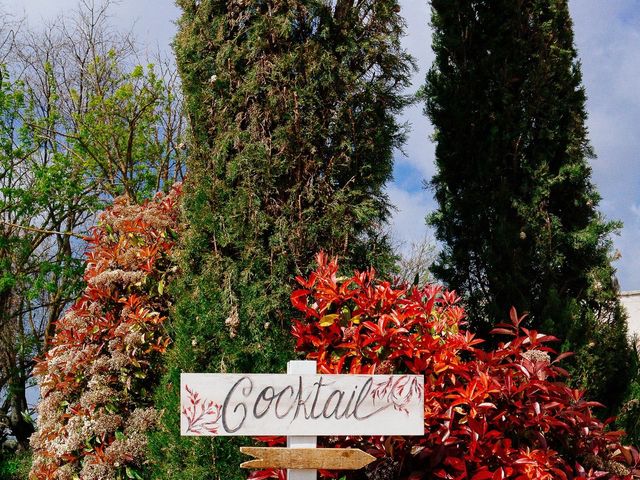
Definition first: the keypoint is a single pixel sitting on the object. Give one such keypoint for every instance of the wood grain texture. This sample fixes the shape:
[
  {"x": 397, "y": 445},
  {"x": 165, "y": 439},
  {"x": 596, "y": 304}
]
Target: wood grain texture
[{"x": 306, "y": 458}]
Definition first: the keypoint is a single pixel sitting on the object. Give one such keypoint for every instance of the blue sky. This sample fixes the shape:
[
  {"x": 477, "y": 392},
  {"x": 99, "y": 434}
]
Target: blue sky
[{"x": 608, "y": 41}]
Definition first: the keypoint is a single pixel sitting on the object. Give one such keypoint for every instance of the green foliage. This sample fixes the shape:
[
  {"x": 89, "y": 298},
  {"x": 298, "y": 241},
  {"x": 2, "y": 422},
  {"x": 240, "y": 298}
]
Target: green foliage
[
  {"x": 292, "y": 108},
  {"x": 629, "y": 417},
  {"x": 79, "y": 125},
  {"x": 39, "y": 272},
  {"x": 14, "y": 466},
  {"x": 122, "y": 135},
  {"x": 517, "y": 209}
]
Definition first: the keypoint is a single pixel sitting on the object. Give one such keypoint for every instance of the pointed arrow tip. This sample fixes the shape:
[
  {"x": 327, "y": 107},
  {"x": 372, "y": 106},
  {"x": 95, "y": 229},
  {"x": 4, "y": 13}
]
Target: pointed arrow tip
[{"x": 363, "y": 458}]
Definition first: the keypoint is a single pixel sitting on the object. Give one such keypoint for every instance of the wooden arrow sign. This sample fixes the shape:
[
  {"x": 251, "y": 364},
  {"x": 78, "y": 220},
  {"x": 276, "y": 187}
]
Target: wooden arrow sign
[{"x": 307, "y": 458}]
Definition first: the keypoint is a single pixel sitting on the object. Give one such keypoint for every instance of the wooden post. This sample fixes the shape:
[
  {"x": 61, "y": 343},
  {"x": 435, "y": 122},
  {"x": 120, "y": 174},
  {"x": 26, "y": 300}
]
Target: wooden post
[{"x": 302, "y": 367}]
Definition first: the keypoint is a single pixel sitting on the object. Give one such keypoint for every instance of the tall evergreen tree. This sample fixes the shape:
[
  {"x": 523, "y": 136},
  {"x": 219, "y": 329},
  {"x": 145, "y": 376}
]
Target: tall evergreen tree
[
  {"x": 517, "y": 208},
  {"x": 292, "y": 107}
]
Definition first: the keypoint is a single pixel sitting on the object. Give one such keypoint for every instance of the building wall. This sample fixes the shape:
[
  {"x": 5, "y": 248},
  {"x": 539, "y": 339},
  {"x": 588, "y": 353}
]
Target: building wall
[{"x": 631, "y": 301}]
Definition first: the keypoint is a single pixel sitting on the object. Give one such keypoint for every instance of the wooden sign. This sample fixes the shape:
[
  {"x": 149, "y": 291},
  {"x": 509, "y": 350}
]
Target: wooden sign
[
  {"x": 301, "y": 404},
  {"x": 303, "y": 458}
]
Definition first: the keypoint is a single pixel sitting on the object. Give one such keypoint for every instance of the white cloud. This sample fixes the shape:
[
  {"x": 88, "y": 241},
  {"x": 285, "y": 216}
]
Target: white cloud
[
  {"x": 408, "y": 223},
  {"x": 608, "y": 37}
]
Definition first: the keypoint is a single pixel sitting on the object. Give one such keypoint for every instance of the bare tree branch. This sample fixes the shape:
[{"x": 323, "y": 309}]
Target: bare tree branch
[{"x": 42, "y": 230}]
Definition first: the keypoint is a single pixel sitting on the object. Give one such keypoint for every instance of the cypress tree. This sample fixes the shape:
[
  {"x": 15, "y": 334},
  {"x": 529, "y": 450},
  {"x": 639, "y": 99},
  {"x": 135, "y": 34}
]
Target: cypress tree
[
  {"x": 517, "y": 210},
  {"x": 292, "y": 108}
]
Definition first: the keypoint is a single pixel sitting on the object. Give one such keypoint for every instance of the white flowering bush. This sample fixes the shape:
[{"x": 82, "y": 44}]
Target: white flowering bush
[{"x": 98, "y": 376}]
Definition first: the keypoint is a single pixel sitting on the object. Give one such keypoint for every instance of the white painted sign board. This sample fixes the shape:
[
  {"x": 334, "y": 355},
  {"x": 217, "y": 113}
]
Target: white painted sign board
[{"x": 301, "y": 404}]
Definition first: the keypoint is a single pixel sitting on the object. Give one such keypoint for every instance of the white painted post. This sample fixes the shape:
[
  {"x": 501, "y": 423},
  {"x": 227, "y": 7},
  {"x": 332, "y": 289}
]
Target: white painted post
[{"x": 302, "y": 367}]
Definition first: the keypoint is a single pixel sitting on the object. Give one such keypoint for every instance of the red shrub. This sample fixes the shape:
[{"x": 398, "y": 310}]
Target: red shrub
[
  {"x": 96, "y": 379},
  {"x": 488, "y": 415}
]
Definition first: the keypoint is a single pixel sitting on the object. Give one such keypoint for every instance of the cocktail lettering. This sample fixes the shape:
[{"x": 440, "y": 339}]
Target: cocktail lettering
[
  {"x": 314, "y": 402},
  {"x": 246, "y": 391},
  {"x": 239, "y": 404}
]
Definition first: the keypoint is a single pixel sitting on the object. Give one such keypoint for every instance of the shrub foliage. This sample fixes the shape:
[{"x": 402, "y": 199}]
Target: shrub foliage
[
  {"x": 517, "y": 209},
  {"x": 97, "y": 378},
  {"x": 498, "y": 414},
  {"x": 292, "y": 108}
]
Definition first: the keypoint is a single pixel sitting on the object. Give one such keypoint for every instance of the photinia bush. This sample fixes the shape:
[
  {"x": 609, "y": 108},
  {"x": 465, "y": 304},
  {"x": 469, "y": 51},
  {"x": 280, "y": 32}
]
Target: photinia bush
[
  {"x": 489, "y": 415},
  {"x": 96, "y": 379}
]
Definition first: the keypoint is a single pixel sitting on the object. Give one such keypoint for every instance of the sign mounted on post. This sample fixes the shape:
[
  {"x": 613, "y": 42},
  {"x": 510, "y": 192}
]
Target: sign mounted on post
[{"x": 301, "y": 404}]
